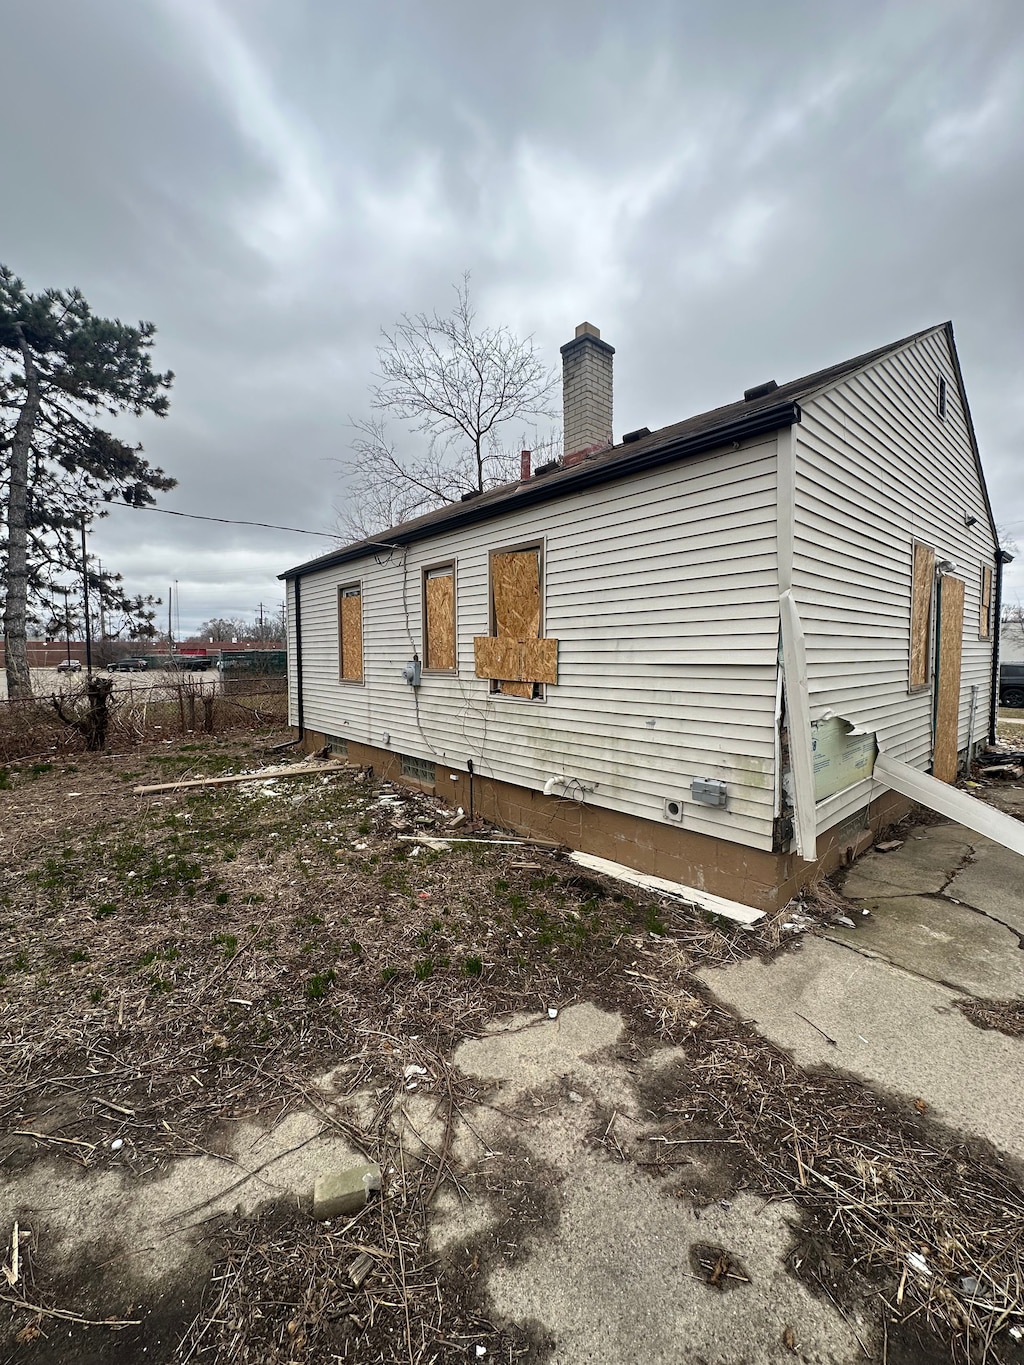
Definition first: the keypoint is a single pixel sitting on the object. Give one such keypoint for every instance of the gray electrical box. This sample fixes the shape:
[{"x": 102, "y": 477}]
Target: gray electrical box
[
  {"x": 709, "y": 791},
  {"x": 411, "y": 673}
]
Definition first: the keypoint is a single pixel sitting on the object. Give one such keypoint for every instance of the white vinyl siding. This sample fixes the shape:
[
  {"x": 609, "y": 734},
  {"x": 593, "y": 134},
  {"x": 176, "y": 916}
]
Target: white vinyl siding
[
  {"x": 877, "y": 469},
  {"x": 662, "y": 592}
]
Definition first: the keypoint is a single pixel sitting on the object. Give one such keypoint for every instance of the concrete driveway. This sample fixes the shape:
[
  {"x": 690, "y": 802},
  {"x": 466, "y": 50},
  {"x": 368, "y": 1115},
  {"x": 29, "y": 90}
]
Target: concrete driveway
[{"x": 937, "y": 920}]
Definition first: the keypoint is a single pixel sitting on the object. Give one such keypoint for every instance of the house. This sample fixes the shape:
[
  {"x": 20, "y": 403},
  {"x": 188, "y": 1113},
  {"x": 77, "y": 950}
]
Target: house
[{"x": 684, "y": 651}]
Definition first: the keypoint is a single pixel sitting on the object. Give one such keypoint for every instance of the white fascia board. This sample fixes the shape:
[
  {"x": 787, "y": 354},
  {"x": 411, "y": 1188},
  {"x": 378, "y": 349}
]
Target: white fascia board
[
  {"x": 704, "y": 900},
  {"x": 948, "y": 801}
]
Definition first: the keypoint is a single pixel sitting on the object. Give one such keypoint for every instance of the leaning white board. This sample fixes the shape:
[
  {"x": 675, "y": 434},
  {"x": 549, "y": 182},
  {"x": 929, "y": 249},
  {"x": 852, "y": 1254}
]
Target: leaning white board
[
  {"x": 957, "y": 805},
  {"x": 716, "y": 905}
]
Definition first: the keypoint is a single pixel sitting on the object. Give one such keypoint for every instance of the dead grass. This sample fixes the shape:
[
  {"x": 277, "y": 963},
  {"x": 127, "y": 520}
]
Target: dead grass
[
  {"x": 931, "y": 1222},
  {"x": 1006, "y": 1016},
  {"x": 182, "y": 961}
]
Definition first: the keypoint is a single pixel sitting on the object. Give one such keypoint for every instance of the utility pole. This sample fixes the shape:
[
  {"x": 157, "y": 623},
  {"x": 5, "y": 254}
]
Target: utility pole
[
  {"x": 170, "y": 630},
  {"x": 103, "y": 611},
  {"x": 262, "y": 636},
  {"x": 85, "y": 601}
]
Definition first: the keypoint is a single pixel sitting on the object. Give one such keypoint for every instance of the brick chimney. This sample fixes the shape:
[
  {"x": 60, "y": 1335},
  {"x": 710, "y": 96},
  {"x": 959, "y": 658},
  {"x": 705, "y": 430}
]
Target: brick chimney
[{"x": 586, "y": 393}]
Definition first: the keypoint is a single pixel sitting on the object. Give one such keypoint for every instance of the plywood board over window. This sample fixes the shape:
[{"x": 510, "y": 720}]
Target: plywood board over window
[
  {"x": 947, "y": 693},
  {"x": 985, "y": 609},
  {"x": 515, "y": 657},
  {"x": 350, "y": 633},
  {"x": 439, "y": 618},
  {"x": 923, "y": 586}
]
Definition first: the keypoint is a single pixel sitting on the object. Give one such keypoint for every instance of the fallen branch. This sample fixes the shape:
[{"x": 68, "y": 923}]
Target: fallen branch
[{"x": 68, "y": 1317}]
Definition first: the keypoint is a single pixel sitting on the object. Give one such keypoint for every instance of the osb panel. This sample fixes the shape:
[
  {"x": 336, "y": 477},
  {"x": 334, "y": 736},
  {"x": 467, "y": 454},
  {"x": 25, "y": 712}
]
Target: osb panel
[
  {"x": 441, "y": 621},
  {"x": 352, "y": 638},
  {"x": 947, "y": 704},
  {"x": 515, "y": 592},
  {"x": 517, "y": 661},
  {"x": 985, "y": 615},
  {"x": 920, "y": 613}
]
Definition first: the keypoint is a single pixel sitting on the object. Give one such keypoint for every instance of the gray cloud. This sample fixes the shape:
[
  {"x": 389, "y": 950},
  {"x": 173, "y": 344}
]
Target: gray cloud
[{"x": 731, "y": 192}]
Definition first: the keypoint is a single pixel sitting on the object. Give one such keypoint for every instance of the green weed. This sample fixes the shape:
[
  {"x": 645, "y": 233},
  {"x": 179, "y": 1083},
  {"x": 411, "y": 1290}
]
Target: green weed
[{"x": 318, "y": 986}]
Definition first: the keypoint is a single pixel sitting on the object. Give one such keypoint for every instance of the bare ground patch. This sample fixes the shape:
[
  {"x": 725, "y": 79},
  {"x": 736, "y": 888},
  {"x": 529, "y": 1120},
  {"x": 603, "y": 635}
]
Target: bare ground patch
[{"x": 181, "y": 964}]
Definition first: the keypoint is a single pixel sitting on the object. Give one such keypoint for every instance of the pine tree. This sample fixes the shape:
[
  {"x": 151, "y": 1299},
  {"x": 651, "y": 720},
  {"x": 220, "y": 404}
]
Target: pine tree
[{"x": 61, "y": 369}]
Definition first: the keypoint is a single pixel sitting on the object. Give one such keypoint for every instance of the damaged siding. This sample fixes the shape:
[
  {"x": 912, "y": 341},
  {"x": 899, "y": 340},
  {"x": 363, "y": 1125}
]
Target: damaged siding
[
  {"x": 877, "y": 470},
  {"x": 662, "y": 594}
]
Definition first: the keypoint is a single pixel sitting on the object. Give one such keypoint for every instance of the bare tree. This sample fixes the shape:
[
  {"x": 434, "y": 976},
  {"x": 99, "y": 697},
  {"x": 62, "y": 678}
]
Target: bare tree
[{"x": 458, "y": 386}]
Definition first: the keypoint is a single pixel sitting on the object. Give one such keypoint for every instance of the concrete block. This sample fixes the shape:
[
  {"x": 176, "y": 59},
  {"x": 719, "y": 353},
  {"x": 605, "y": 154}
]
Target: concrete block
[{"x": 345, "y": 1190}]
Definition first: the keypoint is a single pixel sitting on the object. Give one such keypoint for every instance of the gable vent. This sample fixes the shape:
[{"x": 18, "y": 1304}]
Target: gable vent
[{"x": 760, "y": 390}]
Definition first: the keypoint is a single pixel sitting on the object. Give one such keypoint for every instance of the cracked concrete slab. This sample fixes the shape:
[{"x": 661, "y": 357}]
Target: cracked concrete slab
[
  {"x": 615, "y": 1282},
  {"x": 609, "y": 1277},
  {"x": 150, "y": 1226},
  {"x": 898, "y": 1031},
  {"x": 529, "y": 1051},
  {"x": 950, "y": 944},
  {"x": 929, "y": 857},
  {"x": 992, "y": 883}
]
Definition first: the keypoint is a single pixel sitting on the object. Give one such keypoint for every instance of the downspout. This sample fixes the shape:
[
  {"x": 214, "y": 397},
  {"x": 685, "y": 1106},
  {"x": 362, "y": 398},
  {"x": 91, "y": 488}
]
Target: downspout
[
  {"x": 300, "y": 720},
  {"x": 993, "y": 706}
]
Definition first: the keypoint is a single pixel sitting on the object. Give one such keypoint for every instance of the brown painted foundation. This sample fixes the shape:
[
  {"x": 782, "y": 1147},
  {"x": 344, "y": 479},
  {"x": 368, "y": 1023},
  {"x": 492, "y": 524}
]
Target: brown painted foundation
[{"x": 749, "y": 875}]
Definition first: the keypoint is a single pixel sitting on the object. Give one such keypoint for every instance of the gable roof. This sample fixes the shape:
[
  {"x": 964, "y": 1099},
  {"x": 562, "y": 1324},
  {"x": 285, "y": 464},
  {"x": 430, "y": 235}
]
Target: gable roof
[{"x": 738, "y": 421}]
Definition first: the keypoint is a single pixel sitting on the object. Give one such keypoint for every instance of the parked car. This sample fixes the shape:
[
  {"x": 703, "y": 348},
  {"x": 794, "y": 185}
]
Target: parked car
[
  {"x": 128, "y": 666},
  {"x": 1011, "y": 684},
  {"x": 192, "y": 663},
  {"x": 69, "y": 666}
]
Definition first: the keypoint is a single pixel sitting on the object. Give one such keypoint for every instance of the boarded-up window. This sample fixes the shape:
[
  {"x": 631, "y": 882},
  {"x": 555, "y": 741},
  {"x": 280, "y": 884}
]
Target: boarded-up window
[
  {"x": 921, "y": 615},
  {"x": 515, "y": 656},
  {"x": 985, "y": 610},
  {"x": 350, "y": 633},
  {"x": 439, "y": 618}
]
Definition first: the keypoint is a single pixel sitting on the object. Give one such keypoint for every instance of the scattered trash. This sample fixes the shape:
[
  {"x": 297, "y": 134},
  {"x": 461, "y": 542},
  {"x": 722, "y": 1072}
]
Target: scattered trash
[
  {"x": 413, "y": 1070},
  {"x": 117, "y": 1144},
  {"x": 890, "y": 846},
  {"x": 575, "y": 1097},
  {"x": 552, "y": 1013},
  {"x": 969, "y": 1284},
  {"x": 481, "y": 1351},
  {"x": 844, "y": 919},
  {"x": 917, "y": 1262}
]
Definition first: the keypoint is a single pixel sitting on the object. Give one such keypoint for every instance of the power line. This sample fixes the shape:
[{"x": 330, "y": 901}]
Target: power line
[{"x": 225, "y": 521}]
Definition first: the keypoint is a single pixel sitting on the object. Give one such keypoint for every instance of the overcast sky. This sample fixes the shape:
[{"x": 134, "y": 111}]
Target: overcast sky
[{"x": 732, "y": 190}]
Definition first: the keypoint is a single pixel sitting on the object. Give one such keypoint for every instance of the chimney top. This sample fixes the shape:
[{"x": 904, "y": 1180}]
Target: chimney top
[{"x": 586, "y": 394}]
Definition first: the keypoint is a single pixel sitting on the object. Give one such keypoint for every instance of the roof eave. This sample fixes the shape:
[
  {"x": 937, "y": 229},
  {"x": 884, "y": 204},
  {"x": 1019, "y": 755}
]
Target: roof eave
[{"x": 583, "y": 476}]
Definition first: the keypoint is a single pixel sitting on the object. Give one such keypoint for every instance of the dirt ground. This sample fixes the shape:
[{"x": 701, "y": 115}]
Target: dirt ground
[{"x": 213, "y": 995}]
